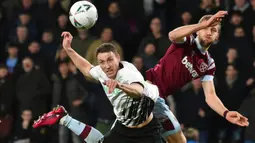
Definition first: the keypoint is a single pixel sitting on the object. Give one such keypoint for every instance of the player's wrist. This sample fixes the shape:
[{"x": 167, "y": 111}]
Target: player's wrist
[
  {"x": 225, "y": 113},
  {"x": 203, "y": 25}
]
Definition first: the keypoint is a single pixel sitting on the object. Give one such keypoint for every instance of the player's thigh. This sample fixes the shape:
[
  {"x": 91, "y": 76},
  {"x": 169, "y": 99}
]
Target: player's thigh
[{"x": 169, "y": 124}]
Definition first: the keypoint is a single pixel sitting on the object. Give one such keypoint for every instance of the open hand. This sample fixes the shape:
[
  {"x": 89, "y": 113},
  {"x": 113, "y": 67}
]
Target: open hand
[
  {"x": 236, "y": 118},
  {"x": 216, "y": 18},
  {"x": 67, "y": 40},
  {"x": 111, "y": 84}
]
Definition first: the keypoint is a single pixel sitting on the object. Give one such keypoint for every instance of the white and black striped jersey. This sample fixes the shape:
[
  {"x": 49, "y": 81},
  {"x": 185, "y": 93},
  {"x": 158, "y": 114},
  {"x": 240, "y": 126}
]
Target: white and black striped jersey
[{"x": 128, "y": 110}]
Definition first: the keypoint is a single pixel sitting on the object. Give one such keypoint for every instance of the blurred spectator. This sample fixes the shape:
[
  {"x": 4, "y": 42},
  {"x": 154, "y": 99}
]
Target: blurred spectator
[
  {"x": 186, "y": 18},
  {"x": 32, "y": 89},
  {"x": 139, "y": 64},
  {"x": 149, "y": 58},
  {"x": 82, "y": 41},
  {"x": 155, "y": 36},
  {"x": 48, "y": 14},
  {"x": 247, "y": 110},
  {"x": 68, "y": 93},
  {"x": 12, "y": 61},
  {"x": 115, "y": 21},
  {"x": 34, "y": 52},
  {"x": 48, "y": 49},
  {"x": 235, "y": 20},
  {"x": 62, "y": 24},
  {"x": 61, "y": 56},
  {"x": 6, "y": 103},
  {"x": 232, "y": 91},
  {"x": 106, "y": 37},
  {"x": 242, "y": 6},
  {"x": 192, "y": 135},
  {"x": 23, "y": 131},
  {"x": 25, "y": 19},
  {"x": 196, "y": 115},
  {"x": 205, "y": 7},
  {"x": 22, "y": 40}
]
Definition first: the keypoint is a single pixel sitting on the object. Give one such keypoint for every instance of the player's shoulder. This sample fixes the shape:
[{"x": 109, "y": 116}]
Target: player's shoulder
[{"x": 128, "y": 65}]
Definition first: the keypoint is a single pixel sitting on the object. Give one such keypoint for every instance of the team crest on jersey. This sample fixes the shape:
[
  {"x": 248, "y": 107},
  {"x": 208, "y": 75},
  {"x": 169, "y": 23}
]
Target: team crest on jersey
[{"x": 202, "y": 66}]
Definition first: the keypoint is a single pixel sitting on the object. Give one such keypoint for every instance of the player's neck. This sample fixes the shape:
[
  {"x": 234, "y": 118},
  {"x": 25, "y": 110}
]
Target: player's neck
[{"x": 203, "y": 48}]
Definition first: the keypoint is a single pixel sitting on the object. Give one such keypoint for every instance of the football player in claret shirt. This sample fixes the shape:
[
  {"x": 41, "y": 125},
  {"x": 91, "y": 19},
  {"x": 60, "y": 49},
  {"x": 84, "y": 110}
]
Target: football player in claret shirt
[{"x": 187, "y": 59}]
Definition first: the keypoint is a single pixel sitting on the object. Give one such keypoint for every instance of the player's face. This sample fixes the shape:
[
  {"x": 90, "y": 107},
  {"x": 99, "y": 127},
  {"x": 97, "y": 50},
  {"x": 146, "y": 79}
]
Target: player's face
[
  {"x": 109, "y": 62},
  {"x": 208, "y": 35}
]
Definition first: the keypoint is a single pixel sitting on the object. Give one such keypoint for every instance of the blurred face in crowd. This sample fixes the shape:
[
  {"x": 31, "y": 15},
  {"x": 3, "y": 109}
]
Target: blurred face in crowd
[
  {"x": 22, "y": 33},
  {"x": 113, "y": 8},
  {"x": 34, "y": 47},
  {"x": 232, "y": 54},
  {"x": 231, "y": 72},
  {"x": 236, "y": 19},
  {"x": 27, "y": 64},
  {"x": 252, "y": 3},
  {"x": 62, "y": 54},
  {"x": 106, "y": 35},
  {"x": 24, "y": 19},
  {"x": 138, "y": 63},
  {"x": 72, "y": 67},
  {"x": 47, "y": 37},
  {"x": 240, "y": 3},
  {"x": 208, "y": 35},
  {"x": 13, "y": 52},
  {"x": 62, "y": 21},
  {"x": 149, "y": 49},
  {"x": 186, "y": 17},
  {"x": 82, "y": 33},
  {"x": 26, "y": 115},
  {"x": 109, "y": 63},
  {"x": 207, "y": 3},
  {"x": 63, "y": 69},
  {"x": 52, "y": 2},
  {"x": 26, "y": 3},
  {"x": 155, "y": 25},
  {"x": 239, "y": 32},
  {"x": 3, "y": 72}
]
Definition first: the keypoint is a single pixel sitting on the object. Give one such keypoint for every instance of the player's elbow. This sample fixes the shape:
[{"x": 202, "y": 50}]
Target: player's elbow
[{"x": 171, "y": 36}]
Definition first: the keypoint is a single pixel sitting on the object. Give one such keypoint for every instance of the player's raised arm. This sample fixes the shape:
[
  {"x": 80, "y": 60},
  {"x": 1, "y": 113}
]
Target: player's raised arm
[
  {"x": 178, "y": 34},
  {"x": 215, "y": 103},
  {"x": 82, "y": 64}
]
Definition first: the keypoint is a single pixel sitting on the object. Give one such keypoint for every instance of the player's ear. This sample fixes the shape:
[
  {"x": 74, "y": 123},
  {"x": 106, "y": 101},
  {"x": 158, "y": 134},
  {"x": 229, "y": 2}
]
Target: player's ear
[
  {"x": 118, "y": 56},
  {"x": 218, "y": 37}
]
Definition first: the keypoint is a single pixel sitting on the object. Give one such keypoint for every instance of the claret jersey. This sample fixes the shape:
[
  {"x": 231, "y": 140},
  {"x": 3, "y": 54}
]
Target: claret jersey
[{"x": 182, "y": 63}]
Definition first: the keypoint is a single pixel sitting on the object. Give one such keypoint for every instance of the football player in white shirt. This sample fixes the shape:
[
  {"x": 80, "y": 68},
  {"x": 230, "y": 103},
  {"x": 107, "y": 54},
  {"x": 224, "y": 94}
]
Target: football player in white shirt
[{"x": 132, "y": 98}]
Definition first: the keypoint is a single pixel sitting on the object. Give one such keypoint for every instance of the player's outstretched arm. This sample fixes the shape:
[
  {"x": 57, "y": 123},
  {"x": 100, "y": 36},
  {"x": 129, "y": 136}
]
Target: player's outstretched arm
[
  {"x": 133, "y": 89},
  {"x": 82, "y": 64},
  {"x": 178, "y": 34},
  {"x": 215, "y": 103}
]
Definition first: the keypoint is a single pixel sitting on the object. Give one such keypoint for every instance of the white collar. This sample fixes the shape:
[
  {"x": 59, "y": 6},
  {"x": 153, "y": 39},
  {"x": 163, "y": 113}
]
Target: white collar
[{"x": 199, "y": 46}]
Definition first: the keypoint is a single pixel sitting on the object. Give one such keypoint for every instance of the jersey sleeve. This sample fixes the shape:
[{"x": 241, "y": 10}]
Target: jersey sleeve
[
  {"x": 151, "y": 91},
  {"x": 94, "y": 72},
  {"x": 186, "y": 40},
  {"x": 210, "y": 73}
]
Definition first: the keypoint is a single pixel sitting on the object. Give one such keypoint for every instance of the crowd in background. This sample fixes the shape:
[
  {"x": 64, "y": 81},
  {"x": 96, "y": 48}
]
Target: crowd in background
[{"x": 36, "y": 73}]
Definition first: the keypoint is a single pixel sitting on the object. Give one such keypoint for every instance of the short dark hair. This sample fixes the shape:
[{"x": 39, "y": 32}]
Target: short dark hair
[{"x": 106, "y": 47}]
